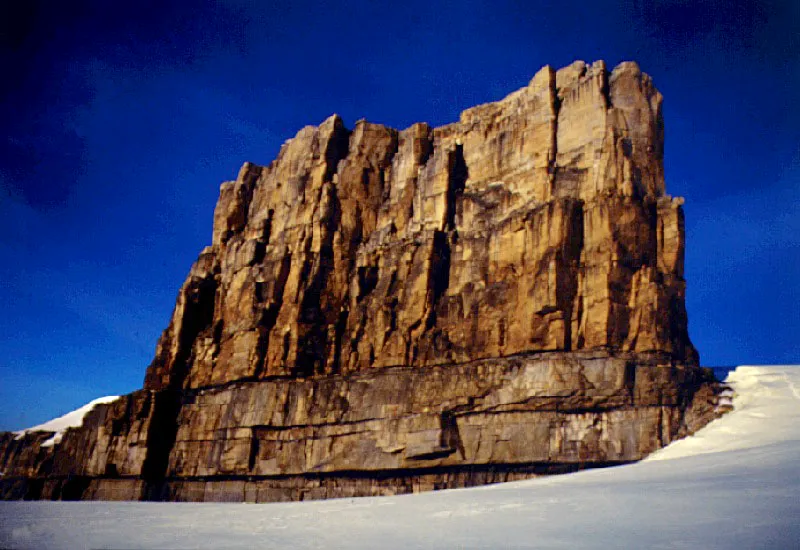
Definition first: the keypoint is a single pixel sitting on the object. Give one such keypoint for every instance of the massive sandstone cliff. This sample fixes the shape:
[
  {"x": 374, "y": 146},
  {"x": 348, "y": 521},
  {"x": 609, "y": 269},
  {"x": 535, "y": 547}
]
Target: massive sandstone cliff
[{"x": 384, "y": 311}]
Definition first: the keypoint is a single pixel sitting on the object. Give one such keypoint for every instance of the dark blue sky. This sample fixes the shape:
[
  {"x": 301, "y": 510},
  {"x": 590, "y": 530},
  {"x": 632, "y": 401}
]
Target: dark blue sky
[{"x": 121, "y": 119}]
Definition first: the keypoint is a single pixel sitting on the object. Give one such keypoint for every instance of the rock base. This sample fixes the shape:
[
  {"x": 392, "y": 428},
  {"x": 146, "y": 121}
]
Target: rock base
[{"x": 382, "y": 432}]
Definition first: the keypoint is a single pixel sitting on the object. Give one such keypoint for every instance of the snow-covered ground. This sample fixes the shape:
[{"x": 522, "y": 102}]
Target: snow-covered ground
[
  {"x": 735, "y": 484},
  {"x": 70, "y": 420}
]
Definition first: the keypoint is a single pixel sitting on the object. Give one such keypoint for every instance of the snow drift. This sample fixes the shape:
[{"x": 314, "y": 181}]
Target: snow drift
[{"x": 70, "y": 420}]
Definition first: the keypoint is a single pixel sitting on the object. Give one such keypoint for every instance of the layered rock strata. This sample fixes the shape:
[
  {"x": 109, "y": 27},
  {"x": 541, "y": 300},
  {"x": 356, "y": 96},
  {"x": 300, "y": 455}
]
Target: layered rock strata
[{"x": 386, "y": 311}]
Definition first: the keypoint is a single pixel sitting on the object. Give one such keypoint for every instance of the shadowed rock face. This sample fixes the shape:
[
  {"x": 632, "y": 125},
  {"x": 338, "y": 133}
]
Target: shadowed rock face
[{"x": 385, "y": 311}]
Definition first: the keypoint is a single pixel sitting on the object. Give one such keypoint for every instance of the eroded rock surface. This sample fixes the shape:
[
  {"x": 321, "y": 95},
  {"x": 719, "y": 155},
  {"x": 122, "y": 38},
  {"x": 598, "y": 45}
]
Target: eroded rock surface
[{"x": 383, "y": 311}]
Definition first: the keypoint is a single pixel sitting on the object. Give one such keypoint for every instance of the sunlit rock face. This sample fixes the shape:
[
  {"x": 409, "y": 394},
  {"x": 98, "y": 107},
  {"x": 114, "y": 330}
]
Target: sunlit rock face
[
  {"x": 387, "y": 311},
  {"x": 537, "y": 223}
]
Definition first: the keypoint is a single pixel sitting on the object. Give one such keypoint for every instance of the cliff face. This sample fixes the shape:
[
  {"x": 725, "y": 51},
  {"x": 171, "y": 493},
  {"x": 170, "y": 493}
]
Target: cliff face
[
  {"x": 384, "y": 310},
  {"x": 535, "y": 223}
]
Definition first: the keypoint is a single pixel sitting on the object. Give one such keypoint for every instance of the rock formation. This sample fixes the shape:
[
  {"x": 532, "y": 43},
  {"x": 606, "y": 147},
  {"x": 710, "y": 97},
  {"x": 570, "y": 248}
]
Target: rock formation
[{"x": 387, "y": 311}]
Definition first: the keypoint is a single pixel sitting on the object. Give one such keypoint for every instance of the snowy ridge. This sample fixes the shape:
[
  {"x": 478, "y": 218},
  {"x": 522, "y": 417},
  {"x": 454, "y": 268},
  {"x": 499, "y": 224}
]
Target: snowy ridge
[
  {"x": 70, "y": 420},
  {"x": 733, "y": 485},
  {"x": 766, "y": 410}
]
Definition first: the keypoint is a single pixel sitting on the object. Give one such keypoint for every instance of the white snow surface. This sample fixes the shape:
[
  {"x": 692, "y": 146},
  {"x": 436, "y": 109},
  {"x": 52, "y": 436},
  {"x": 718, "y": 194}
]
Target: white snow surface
[
  {"x": 70, "y": 420},
  {"x": 734, "y": 484}
]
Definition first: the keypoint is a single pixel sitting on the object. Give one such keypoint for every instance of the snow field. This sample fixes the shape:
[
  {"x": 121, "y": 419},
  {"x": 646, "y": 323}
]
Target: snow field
[{"x": 734, "y": 484}]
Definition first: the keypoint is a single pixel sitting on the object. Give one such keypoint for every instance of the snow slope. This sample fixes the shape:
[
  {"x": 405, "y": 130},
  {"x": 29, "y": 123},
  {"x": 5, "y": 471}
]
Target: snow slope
[
  {"x": 70, "y": 420},
  {"x": 735, "y": 484}
]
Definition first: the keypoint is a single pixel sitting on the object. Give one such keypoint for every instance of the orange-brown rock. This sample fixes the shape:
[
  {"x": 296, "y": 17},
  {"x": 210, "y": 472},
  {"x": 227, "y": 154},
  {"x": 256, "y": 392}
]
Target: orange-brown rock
[{"x": 494, "y": 298}]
